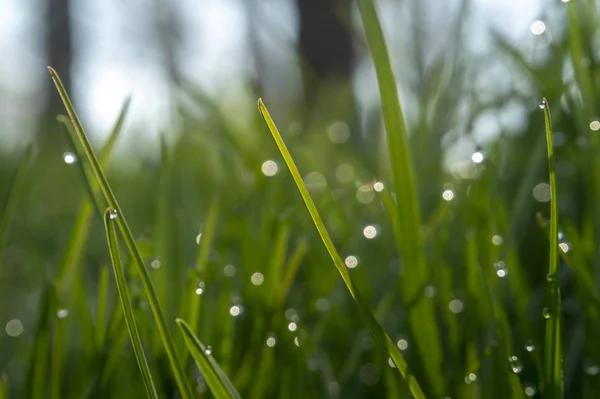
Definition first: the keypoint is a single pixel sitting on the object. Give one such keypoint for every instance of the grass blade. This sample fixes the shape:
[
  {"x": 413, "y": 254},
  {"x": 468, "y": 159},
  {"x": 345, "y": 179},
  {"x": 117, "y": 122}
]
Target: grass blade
[
  {"x": 216, "y": 379},
  {"x": 111, "y": 236},
  {"x": 13, "y": 196},
  {"x": 163, "y": 331},
  {"x": 337, "y": 260},
  {"x": 3, "y": 386},
  {"x": 552, "y": 348},
  {"x": 408, "y": 233}
]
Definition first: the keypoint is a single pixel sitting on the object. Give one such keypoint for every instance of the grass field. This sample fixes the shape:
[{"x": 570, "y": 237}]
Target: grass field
[{"x": 260, "y": 255}]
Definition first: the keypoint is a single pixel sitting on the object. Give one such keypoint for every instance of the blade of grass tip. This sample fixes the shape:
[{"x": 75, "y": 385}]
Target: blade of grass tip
[
  {"x": 163, "y": 331},
  {"x": 410, "y": 242},
  {"x": 553, "y": 387},
  {"x": 13, "y": 197},
  {"x": 111, "y": 236},
  {"x": 3, "y": 386},
  {"x": 217, "y": 381},
  {"x": 392, "y": 350}
]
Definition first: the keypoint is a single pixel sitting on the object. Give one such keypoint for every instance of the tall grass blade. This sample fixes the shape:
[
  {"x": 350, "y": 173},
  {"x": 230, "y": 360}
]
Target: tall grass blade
[
  {"x": 552, "y": 349},
  {"x": 163, "y": 331},
  {"x": 13, "y": 197},
  {"x": 111, "y": 236},
  {"x": 3, "y": 386},
  {"x": 217, "y": 381},
  {"x": 337, "y": 260},
  {"x": 408, "y": 233}
]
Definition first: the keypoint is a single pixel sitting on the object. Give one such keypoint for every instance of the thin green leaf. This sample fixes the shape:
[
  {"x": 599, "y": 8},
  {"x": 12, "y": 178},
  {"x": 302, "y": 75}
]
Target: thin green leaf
[
  {"x": 3, "y": 386},
  {"x": 553, "y": 387},
  {"x": 13, "y": 197},
  {"x": 217, "y": 381},
  {"x": 408, "y": 233},
  {"x": 337, "y": 260},
  {"x": 163, "y": 331},
  {"x": 134, "y": 335}
]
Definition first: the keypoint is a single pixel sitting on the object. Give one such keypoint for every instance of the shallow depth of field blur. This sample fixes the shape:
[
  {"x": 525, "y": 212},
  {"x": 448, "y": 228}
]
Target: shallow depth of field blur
[{"x": 220, "y": 222}]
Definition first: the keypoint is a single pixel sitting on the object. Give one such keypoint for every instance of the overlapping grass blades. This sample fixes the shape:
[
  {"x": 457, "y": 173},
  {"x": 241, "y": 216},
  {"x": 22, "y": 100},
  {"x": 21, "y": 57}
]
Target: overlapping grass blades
[
  {"x": 553, "y": 387},
  {"x": 220, "y": 386},
  {"x": 163, "y": 331},
  {"x": 391, "y": 348},
  {"x": 408, "y": 233},
  {"x": 134, "y": 335}
]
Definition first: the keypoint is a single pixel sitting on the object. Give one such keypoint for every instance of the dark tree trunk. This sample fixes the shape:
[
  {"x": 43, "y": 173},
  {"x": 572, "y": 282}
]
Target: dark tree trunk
[
  {"x": 325, "y": 42},
  {"x": 59, "y": 52}
]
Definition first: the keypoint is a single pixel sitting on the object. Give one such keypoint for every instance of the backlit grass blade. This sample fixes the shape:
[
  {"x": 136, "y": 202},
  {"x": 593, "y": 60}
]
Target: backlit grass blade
[
  {"x": 13, "y": 197},
  {"x": 163, "y": 331},
  {"x": 111, "y": 236},
  {"x": 3, "y": 386},
  {"x": 408, "y": 233},
  {"x": 217, "y": 381},
  {"x": 553, "y": 386},
  {"x": 337, "y": 260}
]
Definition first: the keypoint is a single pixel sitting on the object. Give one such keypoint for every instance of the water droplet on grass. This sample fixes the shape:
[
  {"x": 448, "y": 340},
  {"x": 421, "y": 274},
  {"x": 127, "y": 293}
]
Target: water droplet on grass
[
  {"x": 515, "y": 364},
  {"x": 113, "y": 214},
  {"x": 62, "y": 313},
  {"x": 198, "y": 238},
  {"x": 69, "y": 158},
  {"x": 551, "y": 277},
  {"x": 546, "y": 313},
  {"x": 208, "y": 350},
  {"x": 529, "y": 346},
  {"x": 542, "y": 104}
]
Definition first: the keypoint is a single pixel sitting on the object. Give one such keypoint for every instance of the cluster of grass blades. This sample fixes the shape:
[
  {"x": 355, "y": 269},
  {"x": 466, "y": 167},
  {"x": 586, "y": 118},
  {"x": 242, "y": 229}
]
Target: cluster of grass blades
[{"x": 216, "y": 379}]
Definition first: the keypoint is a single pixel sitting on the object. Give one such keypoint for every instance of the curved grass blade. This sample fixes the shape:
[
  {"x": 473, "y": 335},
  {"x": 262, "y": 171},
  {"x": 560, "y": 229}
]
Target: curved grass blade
[
  {"x": 552, "y": 349},
  {"x": 217, "y": 381},
  {"x": 392, "y": 350},
  {"x": 408, "y": 234},
  {"x": 111, "y": 236},
  {"x": 163, "y": 331},
  {"x": 13, "y": 196}
]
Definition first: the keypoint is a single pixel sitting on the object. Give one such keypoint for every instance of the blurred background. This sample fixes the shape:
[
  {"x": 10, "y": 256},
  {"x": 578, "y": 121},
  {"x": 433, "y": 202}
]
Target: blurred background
[{"x": 194, "y": 154}]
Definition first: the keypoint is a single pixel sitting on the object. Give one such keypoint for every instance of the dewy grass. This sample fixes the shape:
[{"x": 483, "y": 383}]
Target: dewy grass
[
  {"x": 220, "y": 386},
  {"x": 408, "y": 230},
  {"x": 553, "y": 387},
  {"x": 163, "y": 330},
  {"x": 134, "y": 335},
  {"x": 391, "y": 348}
]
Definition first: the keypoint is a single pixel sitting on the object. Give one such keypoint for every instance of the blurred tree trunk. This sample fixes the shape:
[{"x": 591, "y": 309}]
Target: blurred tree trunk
[
  {"x": 59, "y": 52},
  {"x": 325, "y": 47},
  {"x": 325, "y": 43}
]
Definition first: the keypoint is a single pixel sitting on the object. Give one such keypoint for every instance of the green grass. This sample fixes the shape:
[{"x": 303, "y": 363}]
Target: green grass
[{"x": 447, "y": 300}]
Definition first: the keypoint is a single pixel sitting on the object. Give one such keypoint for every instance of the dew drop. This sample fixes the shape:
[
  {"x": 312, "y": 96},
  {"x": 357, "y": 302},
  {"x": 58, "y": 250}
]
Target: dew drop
[
  {"x": 271, "y": 341},
  {"x": 113, "y": 214},
  {"x": 62, "y": 313},
  {"x": 546, "y": 313},
  {"x": 551, "y": 277},
  {"x": 69, "y": 158},
  {"x": 515, "y": 364},
  {"x": 530, "y": 390},
  {"x": 198, "y": 238},
  {"x": 542, "y": 104},
  {"x": 529, "y": 346},
  {"x": 208, "y": 350},
  {"x": 391, "y": 363},
  {"x": 591, "y": 368},
  {"x": 235, "y": 310},
  {"x": 200, "y": 288}
]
